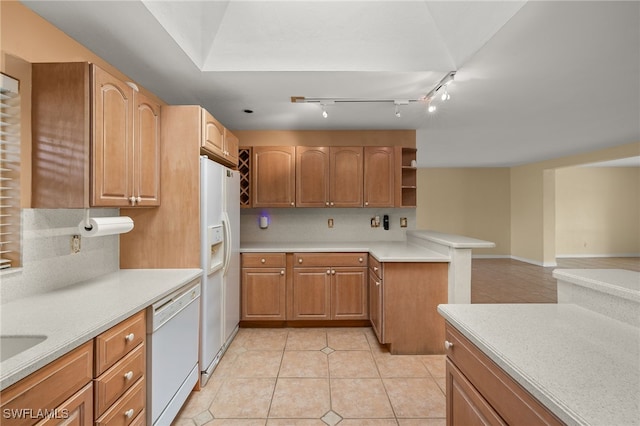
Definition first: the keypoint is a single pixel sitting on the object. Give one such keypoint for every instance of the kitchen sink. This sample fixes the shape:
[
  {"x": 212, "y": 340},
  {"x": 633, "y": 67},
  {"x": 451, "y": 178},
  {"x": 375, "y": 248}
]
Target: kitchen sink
[{"x": 13, "y": 345}]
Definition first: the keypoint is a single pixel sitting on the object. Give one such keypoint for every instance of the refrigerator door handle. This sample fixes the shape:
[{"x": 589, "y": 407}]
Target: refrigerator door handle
[{"x": 227, "y": 242}]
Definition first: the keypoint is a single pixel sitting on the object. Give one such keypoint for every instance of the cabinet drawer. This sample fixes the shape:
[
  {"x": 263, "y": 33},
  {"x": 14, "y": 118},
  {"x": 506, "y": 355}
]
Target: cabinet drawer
[
  {"x": 114, "y": 343},
  {"x": 510, "y": 400},
  {"x": 267, "y": 260},
  {"x": 127, "y": 408},
  {"x": 329, "y": 259},
  {"x": 375, "y": 267},
  {"x": 50, "y": 386},
  {"x": 140, "y": 420},
  {"x": 116, "y": 380}
]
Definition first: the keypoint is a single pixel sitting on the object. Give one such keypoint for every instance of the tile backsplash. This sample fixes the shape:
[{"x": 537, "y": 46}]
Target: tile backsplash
[
  {"x": 311, "y": 225},
  {"x": 47, "y": 260}
]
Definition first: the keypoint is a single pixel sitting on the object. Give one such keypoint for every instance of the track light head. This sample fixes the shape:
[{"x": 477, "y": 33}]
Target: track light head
[{"x": 431, "y": 108}]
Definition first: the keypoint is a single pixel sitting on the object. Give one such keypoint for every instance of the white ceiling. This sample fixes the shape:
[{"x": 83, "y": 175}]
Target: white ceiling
[{"x": 535, "y": 80}]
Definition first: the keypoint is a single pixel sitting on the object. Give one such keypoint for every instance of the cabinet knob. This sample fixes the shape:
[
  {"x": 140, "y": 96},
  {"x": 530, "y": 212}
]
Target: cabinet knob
[
  {"x": 332, "y": 204},
  {"x": 375, "y": 269},
  {"x": 293, "y": 204},
  {"x": 360, "y": 259},
  {"x": 366, "y": 203},
  {"x": 128, "y": 375},
  {"x": 132, "y": 200},
  {"x": 282, "y": 272},
  {"x": 378, "y": 283},
  {"x": 300, "y": 260},
  {"x": 263, "y": 260},
  {"x": 129, "y": 413},
  {"x": 448, "y": 344},
  {"x": 333, "y": 272},
  {"x": 139, "y": 199},
  {"x": 326, "y": 203},
  {"x": 129, "y": 337},
  {"x": 328, "y": 271}
]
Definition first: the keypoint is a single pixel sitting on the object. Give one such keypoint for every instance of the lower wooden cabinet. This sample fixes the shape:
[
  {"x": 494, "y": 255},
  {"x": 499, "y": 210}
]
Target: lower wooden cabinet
[
  {"x": 263, "y": 287},
  {"x": 77, "y": 410},
  {"x": 479, "y": 392},
  {"x": 46, "y": 393}
]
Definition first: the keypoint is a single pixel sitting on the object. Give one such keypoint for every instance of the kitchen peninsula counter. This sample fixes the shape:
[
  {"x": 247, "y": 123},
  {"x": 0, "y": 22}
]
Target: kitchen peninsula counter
[
  {"x": 582, "y": 366},
  {"x": 392, "y": 251},
  {"x": 73, "y": 315}
]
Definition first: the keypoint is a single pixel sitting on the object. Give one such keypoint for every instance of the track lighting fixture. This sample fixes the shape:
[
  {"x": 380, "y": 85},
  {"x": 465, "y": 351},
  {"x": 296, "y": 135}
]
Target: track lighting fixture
[{"x": 441, "y": 89}]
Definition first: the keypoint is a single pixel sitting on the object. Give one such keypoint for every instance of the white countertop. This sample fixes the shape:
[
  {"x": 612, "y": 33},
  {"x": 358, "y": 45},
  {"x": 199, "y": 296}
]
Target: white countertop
[
  {"x": 75, "y": 314},
  {"x": 616, "y": 282},
  {"x": 392, "y": 251},
  {"x": 583, "y": 366},
  {"x": 451, "y": 240}
]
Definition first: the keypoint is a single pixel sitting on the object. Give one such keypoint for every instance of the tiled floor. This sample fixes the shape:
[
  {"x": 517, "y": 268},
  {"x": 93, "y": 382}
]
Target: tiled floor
[
  {"x": 342, "y": 376},
  {"x": 316, "y": 376}
]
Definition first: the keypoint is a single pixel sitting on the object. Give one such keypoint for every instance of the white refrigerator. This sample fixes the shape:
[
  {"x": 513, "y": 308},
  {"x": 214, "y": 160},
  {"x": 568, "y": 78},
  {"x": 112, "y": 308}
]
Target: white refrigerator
[{"x": 220, "y": 261}]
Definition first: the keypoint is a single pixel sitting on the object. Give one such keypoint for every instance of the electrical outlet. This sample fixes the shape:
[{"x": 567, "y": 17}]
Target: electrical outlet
[
  {"x": 330, "y": 223},
  {"x": 75, "y": 243},
  {"x": 403, "y": 222}
]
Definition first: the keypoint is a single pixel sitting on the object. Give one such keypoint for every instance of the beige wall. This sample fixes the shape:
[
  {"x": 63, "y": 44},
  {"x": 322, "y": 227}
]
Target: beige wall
[
  {"x": 598, "y": 211},
  {"x": 468, "y": 201}
]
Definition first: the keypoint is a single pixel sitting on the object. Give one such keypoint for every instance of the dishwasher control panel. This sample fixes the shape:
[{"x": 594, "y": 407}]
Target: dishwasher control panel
[{"x": 164, "y": 309}]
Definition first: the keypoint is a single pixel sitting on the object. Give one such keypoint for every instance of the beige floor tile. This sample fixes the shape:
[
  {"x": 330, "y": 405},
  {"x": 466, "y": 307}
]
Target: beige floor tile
[
  {"x": 266, "y": 339},
  {"x": 360, "y": 399},
  {"x": 296, "y": 398},
  {"x": 306, "y": 339},
  {"x": 199, "y": 401},
  {"x": 347, "y": 340},
  {"x": 401, "y": 366},
  {"x": 368, "y": 422},
  {"x": 183, "y": 421},
  {"x": 411, "y": 398},
  {"x": 352, "y": 364},
  {"x": 236, "y": 422},
  {"x": 295, "y": 422},
  {"x": 243, "y": 398},
  {"x": 422, "y": 422},
  {"x": 442, "y": 383},
  {"x": 225, "y": 365},
  {"x": 436, "y": 364},
  {"x": 304, "y": 364},
  {"x": 255, "y": 364}
]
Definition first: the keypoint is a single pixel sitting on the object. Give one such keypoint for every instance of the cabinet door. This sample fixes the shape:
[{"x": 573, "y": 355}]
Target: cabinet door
[
  {"x": 378, "y": 176},
  {"x": 232, "y": 145},
  {"x": 75, "y": 411},
  {"x": 263, "y": 294},
  {"x": 312, "y": 176},
  {"x": 349, "y": 294},
  {"x": 346, "y": 176},
  {"x": 146, "y": 155},
  {"x": 112, "y": 141},
  {"x": 465, "y": 405},
  {"x": 212, "y": 135},
  {"x": 273, "y": 176},
  {"x": 311, "y": 293},
  {"x": 376, "y": 306}
]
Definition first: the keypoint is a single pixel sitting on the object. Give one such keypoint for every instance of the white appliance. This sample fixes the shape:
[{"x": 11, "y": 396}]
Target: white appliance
[
  {"x": 172, "y": 353},
  {"x": 220, "y": 260}
]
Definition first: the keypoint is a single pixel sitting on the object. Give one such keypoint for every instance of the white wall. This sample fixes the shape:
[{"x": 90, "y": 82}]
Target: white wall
[
  {"x": 48, "y": 263},
  {"x": 307, "y": 224}
]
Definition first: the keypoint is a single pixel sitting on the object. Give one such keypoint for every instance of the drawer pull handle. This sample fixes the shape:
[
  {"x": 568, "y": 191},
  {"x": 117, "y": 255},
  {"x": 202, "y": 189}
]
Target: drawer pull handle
[
  {"x": 282, "y": 272},
  {"x": 375, "y": 269},
  {"x": 360, "y": 259},
  {"x": 129, "y": 413},
  {"x": 128, "y": 375},
  {"x": 129, "y": 337},
  {"x": 378, "y": 282},
  {"x": 263, "y": 260},
  {"x": 299, "y": 260},
  {"x": 448, "y": 344}
]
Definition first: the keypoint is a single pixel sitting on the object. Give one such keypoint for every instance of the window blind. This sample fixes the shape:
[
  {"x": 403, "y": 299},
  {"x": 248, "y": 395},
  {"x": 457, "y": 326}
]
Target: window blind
[{"x": 10, "y": 239}]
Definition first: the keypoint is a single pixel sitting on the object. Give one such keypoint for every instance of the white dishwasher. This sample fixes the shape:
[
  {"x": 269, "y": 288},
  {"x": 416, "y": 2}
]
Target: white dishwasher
[{"x": 172, "y": 353}]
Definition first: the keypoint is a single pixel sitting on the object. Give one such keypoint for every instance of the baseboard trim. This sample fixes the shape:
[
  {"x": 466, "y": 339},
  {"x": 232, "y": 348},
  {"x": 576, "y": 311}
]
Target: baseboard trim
[{"x": 582, "y": 255}]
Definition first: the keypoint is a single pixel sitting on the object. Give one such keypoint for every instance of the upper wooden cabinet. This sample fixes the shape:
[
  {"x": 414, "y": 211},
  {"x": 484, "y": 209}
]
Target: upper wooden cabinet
[
  {"x": 379, "y": 166},
  {"x": 329, "y": 176},
  {"x": 218, "y": 141},
  {"x": 273, "y": 176},
  {"x": 96, "y": 140}
]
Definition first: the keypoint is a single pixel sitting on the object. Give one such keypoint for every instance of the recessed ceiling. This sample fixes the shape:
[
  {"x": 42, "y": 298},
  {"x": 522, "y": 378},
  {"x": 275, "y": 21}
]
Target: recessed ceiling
[{"x": 535, "y": 80}]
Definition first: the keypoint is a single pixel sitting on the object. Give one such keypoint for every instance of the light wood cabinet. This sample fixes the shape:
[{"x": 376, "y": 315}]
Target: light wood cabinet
[
  {"x": 273, "y": 176},
  {"x": 379, "y": 171},
  {"x": 329, "y": 286},
  {"x": 263, "y": 287},
  {"x": 120, "y": 367},
  {"x": 217, "y": 141},
  {"x": 406, "y": 306},
  {"x": 479, "y": 392},
  {"x": 329, "y": 176},
  {"x": 52, "y": 389},
  {"x": 406, "y": 177},
  {"x": 95, "y": 139},
  {"x": 77, "y": 410}
]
